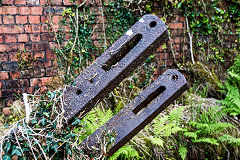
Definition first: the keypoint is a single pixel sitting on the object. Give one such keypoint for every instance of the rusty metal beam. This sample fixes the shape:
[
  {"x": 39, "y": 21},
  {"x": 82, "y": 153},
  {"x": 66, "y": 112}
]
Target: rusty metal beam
[
  {"x": 141, "y": 111},
  {"x": 114, "y": 65}
]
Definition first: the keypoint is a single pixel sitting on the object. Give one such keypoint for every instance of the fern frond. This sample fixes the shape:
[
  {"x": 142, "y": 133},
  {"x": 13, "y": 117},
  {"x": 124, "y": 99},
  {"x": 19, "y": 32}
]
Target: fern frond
[
  {"x": 230, "y": 140},
  {"x": 126, "y": 152},
  {"x": 156, "y": 141},
  {"x": 190, "y": 135},
  {"x": 176, "y": 114},
  {"x": 207, "y": 140},
  {"x": 182, "y": 152}
]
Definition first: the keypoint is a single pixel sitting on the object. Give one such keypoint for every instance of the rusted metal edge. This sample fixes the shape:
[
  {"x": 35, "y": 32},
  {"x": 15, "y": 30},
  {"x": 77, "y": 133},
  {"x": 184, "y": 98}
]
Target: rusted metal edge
[
  {"x": 114, "y": 65},
  {"x": 141, "y": 111}
]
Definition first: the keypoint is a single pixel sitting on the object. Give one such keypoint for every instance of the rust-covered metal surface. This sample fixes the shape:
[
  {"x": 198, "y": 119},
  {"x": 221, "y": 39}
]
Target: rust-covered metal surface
[
  {"x": 115, "y": 64},
  {"x": 141, "y": 111}
]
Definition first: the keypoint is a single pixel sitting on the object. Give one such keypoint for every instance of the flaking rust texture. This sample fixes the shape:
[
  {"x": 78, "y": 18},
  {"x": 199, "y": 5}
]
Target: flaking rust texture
[
  {"x": 114, "y": 65},
  {"x": 141, "y": 111}
]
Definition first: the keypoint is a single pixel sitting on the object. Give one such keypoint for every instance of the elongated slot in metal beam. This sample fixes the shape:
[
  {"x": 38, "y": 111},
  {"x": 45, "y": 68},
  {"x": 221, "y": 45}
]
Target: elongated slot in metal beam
[
  {"x": 124, "y": 50},
  {"x": 148, "y": 100}
]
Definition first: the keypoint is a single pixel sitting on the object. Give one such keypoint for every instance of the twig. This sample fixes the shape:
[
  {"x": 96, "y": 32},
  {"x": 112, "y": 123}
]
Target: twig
[
  {"x": 27, "y": 107},
  {"x": 190, "y": 40}
]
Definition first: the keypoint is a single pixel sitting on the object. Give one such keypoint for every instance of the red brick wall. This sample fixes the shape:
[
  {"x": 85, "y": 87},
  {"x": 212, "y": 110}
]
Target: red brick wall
[{"x": 23, "y": 26}]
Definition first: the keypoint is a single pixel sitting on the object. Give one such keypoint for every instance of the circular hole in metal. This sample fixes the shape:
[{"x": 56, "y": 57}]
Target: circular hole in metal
[
  {"x": 152, "y": 24},
  {"x": 78, "y": 92},
  {"x": 175, "y": 77},
  {"x": 91, "y": 80}
]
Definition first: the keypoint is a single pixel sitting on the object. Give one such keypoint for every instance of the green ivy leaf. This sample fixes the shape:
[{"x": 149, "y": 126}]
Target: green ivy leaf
[
  {"x": 16, "y": 152},
  {"x": 6, "y": 157},
  {"x": 8, "y": 146}
]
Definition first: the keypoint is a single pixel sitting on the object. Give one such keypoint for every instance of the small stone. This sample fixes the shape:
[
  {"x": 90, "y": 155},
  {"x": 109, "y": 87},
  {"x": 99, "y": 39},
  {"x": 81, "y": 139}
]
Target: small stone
[{"x": 6, "y": 111}]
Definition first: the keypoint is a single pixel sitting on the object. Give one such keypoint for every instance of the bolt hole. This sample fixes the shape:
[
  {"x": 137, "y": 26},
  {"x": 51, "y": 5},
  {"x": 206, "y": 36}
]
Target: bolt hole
[
  {"x": 174, "y": 77},
  {"x": 91, "y": 80},
  {"x": 78, "y": 92},
  {"x": 152, "y": 24}
]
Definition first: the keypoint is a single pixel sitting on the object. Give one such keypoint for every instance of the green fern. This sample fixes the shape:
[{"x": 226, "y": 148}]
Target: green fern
[
  {"x": 190, "y": 135},
  {"x": 230, "y": 140},
  {"x": 212, "y": 141},
  {"x": 126, "y": 152},
  {"x": 182, "y": 152},
  {"x": 232, "y": 89},
  {"x": 211, "y": 128},
  {"x": 176, "y": 115},
  {"x": 156, "y": 141}
]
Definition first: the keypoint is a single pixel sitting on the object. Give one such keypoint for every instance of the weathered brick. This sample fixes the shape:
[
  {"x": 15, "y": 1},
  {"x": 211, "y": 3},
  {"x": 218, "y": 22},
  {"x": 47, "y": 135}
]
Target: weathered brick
[
  {"x": 50, "y": 54},
  {"x": 67, "y": 2},
  {"x": 39, "y": 55},
  {"x": 44, "y": 19},
  {"x": 8, "y": 19},
  {"x": 13, "y": 56},
  {"x": 34, "y": 19},
  {"x": 11, "y": 66},
  {"x": 1, "y": 39},
  {"x": 46, "y": 37},
  {"x": 28, "y": 46},
  {"x": 177, "y": 40},
  {"x": 10, "y": 93},
  {"x": 181, "y": 18},
  {"x": 56, "y": 2},
  {"x": 44, "y": 28},
  {"x": 40, "y": 81},
  {"x": 40, "y": 46},
  {"x": 55, "y": 10},
  {"x": 24, "y": 10},
  {"x": 4, "y": 75},
  {"x": 36, "y": 10},
  {"x": 9, "y": 10},
  {"x": 53, "y": 44},
  {"x": 3, "y": 57},
  {"x": 33, "y": 2},
  {"x": 175, "y": 25},
  {"x": 11, "y": 29},
  {"x": 3, "y": 47},
  {"x": 38, "y": 64},
  {"x": 7, "y": 2},
  {"x": 51, "y": 72},
  {"x": 56, "y": 19},
  {"x": 11, "y": 48},
  {"x": 26, "y": 73},
  {"x": 39, "y": 73},
  {"x": 47, "y": 63},
  {"x": 21, "y": 19},
  {"x": 23, "y": 38},
  {"x": 35, "y": 37},
  {"x": 10, "y": 38},
  {"x": 32, "y": 28},
  {"x": 16, "y": 83},
  {"x": 20, "y": 2},
  {"x": 43, "y": 2}
]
